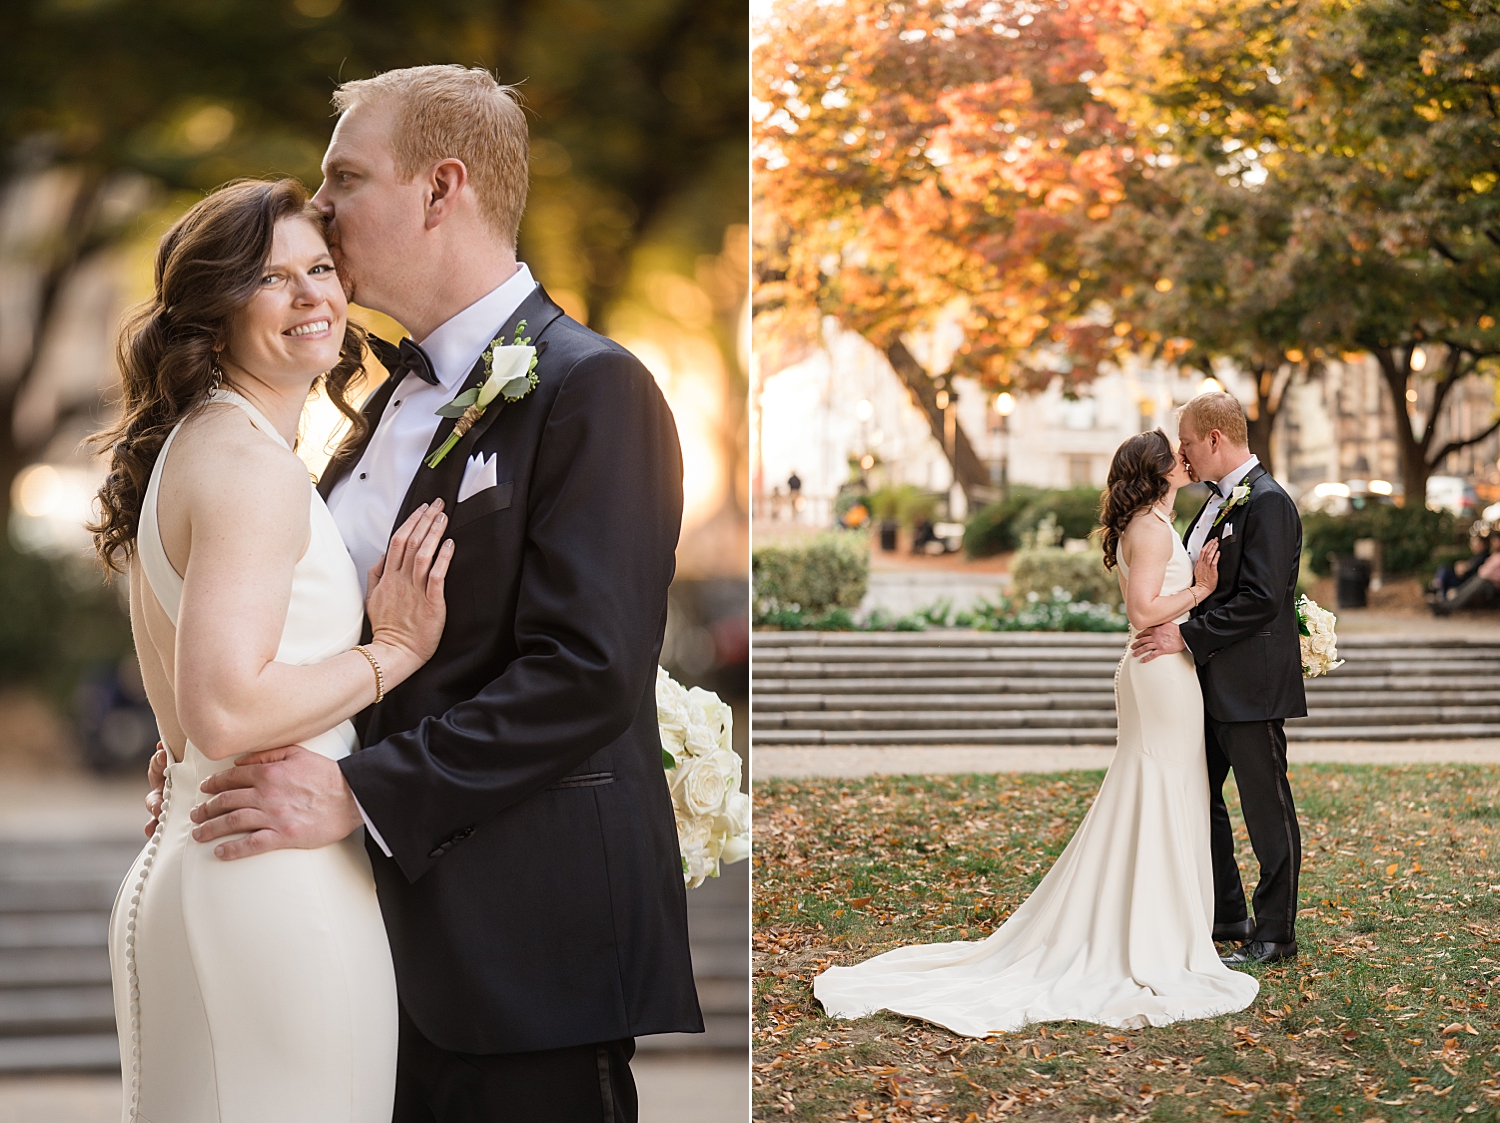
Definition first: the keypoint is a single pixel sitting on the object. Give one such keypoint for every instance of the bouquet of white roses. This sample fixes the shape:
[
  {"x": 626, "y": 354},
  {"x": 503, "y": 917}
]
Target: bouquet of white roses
[
  {"x": 703, "y": 772},
  {"x": 1319, "y": 642}
]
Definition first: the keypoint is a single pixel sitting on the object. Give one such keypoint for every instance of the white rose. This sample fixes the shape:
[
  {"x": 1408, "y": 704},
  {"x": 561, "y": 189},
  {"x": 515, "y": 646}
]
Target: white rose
[
  {"x": 698, "y": 785},
  {"x": 734, "y": 816},
  {"x": 736, "y": 849}
]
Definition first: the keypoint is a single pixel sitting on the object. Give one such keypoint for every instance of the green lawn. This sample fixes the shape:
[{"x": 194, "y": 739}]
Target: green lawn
[{"x": 1389, "y": 1013}]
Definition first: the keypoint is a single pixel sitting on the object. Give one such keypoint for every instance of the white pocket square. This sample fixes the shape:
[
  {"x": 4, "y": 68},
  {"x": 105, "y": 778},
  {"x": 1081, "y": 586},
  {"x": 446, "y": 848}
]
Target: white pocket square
[
  {"x": 1228, "y": 528},
  {"x": 479, "y": 473}
]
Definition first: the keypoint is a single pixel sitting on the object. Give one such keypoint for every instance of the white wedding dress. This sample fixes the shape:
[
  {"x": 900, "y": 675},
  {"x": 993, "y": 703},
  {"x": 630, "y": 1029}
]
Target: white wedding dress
[
  {"x": 259, "y": 990},
  {"x": 1119, "y": 932}
]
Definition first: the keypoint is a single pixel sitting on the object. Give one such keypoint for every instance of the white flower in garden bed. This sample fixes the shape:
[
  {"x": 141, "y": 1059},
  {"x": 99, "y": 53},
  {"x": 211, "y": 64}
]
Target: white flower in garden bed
[
  {"x": 703, "y": 773},
  {"x": 1319, "y": 641}
]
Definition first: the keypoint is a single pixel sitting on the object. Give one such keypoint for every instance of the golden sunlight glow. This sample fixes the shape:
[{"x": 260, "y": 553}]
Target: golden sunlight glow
[
  {"x": 688, "y": 368},
  {"x": 1005, "y": 403},
  {"x": 1381, "y": 487},
  {"x": 1210, "y": 386},
  {"x": 39, "y": 490}
]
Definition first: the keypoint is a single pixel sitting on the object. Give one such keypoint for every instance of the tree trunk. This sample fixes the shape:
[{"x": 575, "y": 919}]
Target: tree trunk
[
  {"x": 968, "y": 469},
  {"x": 1395, "y": 366},
  {"x": 1270, "y": 392}
]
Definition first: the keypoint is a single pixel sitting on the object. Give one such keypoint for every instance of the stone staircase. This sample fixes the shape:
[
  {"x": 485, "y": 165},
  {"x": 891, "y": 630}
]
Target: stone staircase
[
  {"x": 56, "y": 1009},
  {"x": 958, "y": 687}
]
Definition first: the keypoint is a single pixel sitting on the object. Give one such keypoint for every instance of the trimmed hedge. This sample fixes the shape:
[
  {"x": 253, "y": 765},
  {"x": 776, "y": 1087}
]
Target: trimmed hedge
[
  {"x": 811, "y": 578},
  {"x": 1001, "y": 526},
  {"x": 1408, "y": 536},
  {"x": 1081, "y": 576},
  {"x": 992, "y": 530}
]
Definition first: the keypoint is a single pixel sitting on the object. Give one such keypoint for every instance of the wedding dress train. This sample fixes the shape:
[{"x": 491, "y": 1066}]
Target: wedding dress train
[
  {"x": 1119, "y": 932},
  {"x": 258, "y": 990}
]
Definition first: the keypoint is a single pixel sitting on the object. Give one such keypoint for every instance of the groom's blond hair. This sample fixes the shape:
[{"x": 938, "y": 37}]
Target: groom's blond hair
[
  {"x": 1217, "y": 410},
  {"x": 459, "y": 113}
]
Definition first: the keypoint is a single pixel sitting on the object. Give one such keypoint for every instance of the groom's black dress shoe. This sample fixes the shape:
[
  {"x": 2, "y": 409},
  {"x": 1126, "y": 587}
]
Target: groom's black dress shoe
[
  {"x": 1259, "y": 951},
  {"x": 1234, "y": 932}
]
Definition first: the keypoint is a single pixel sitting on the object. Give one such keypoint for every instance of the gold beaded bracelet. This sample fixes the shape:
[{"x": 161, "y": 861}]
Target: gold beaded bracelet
[{"x": 374, "y": 666}]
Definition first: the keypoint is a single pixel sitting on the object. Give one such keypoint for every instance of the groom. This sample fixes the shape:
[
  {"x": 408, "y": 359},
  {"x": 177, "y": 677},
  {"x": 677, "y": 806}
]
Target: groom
[
  {"x": 1244, "y": 639},
  {"x": 519, "y": 823}
]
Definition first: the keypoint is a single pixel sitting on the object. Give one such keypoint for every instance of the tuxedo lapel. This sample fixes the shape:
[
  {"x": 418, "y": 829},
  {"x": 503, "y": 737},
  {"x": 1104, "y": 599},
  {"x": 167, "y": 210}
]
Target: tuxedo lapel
[
  {"x": 346, "y": 456},
  {"x": 443, "y": 481},
  {"x": 1218, "y": 528}
]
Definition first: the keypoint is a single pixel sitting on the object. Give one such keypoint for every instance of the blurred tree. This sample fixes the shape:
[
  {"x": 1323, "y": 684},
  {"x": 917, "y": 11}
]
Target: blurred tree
[
  {"x": 929, "y": 157},
  {"x": 638, "y": 115},
  {"x": 1371, "y": 129}
]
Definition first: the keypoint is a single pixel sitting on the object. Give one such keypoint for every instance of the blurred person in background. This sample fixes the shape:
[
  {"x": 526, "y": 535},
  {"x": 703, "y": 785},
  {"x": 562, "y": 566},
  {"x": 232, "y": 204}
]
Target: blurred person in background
[{"x": 1480, "y": 590}]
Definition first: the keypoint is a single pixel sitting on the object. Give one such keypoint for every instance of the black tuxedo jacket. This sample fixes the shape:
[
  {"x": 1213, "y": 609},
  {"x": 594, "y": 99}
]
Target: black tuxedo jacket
[
  {"x": 1244, "y": 634},
  {"x": 535, "y": 898}
]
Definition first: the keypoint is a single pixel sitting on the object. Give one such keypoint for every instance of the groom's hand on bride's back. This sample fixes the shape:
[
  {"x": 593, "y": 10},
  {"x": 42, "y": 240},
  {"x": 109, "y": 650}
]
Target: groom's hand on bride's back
[
  {"x": 278, "y": 799},
  {"x": 1164, "y": 639}
]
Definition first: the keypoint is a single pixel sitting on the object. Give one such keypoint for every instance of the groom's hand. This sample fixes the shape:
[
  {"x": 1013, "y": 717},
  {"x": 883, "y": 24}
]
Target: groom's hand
[
  {"x": 284, "y": 798},
  {"x": 1164, "y": 639}
]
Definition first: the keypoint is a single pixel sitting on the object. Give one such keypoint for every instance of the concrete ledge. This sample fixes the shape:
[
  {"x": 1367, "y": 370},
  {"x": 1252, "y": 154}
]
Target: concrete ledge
[{"x": 930, "y": 760}]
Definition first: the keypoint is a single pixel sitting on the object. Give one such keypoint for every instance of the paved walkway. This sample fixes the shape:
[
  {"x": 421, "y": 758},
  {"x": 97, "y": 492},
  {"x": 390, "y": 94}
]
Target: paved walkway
[
  {"x": 704, "y": 1089},
  {"x": 772, "y": 761}
]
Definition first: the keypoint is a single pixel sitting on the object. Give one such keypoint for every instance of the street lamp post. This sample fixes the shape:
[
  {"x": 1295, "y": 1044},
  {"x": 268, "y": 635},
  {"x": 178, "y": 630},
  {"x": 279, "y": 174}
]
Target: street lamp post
[{"x": 1005, "y": 405}]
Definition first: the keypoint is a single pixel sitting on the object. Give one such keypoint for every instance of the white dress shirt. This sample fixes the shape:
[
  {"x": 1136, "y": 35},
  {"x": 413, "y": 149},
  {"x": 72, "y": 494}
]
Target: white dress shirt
[
  {"x": 1199, "y": 534},
  {"x": 365, "y": 502}
]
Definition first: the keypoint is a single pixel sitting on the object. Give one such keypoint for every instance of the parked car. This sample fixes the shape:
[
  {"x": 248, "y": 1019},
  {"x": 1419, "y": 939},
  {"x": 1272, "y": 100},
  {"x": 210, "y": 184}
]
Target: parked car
[{"x": 1452, "y": 493}]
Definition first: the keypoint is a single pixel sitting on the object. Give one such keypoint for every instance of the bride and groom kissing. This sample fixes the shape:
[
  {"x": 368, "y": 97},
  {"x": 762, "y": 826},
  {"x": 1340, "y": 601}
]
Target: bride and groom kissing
[
  {"x": 1121, "y": 930},
  {"x": 413, "y": 856}
]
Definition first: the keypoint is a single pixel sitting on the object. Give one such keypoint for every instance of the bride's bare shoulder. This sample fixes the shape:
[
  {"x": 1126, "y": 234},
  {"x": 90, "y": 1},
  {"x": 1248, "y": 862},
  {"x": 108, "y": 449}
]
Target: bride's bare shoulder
[
  {"x": 220, "y": 455},
  {"x": 1145, "y": 524},
  {"x": 1145, "y": 535}
]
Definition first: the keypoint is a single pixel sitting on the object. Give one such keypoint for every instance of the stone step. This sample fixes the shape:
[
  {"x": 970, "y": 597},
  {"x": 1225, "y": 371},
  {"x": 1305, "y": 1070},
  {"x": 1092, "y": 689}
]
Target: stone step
[
  {"x": 939, "y": 719},
  {"x": 1295, "y": 731},
  {"x": 54, "y": 929},
  {"x": 1349, "y": 718},
  {"x": 949, "y": 685},
  {"x": 1007, "y": 684},
  {"x": 932, "y": 668},
  {"x": 1087, "y": 700},
  {"x": 84, "y": 1052},
  {"x": 928, "y": 663},
  {"x": 1414, "y": 646},
  {"x": 30, "y": 1011},
  {"x": 83, "y": 895},
  {"x": 770, "y": 703},
  {"x": 53, "y": 966}
]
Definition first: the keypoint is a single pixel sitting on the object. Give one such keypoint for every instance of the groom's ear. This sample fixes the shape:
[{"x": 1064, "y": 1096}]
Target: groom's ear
[{"x": 445, "y": 184}]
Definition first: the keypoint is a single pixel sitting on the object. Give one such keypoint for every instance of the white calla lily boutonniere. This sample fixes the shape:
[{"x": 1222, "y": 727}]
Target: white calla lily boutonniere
[
  {"x": 510, "y": 374},
  {"x": 1237, "y": 496}
]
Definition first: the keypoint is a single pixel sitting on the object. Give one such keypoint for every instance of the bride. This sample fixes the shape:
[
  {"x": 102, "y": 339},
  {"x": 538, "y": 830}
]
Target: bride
[
  {"x": 1119, "y": 931},
  {"x": 253, "y": 990}
]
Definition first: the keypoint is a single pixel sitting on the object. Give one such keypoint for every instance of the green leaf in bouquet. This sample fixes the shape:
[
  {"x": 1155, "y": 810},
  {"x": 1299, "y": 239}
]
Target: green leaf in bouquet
[
  {"x": 456, "y": 407},
  {"x": 668, "y": 761}
]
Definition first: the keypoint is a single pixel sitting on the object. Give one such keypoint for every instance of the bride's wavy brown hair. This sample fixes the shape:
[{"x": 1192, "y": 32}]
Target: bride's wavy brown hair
[
  {"x": 1137, "y": 479},
  {"x": 208, "y": 266}
]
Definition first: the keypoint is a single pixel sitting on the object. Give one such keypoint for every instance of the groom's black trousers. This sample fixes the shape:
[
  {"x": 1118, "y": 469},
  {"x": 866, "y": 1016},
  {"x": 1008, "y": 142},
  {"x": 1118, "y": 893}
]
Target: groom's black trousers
[
  {"x": 581, "y": 1084},
  {"x": 1256, "y": 750}
]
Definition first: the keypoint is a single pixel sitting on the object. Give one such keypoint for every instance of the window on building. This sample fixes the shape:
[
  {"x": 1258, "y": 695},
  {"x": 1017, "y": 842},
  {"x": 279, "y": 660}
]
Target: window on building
[{"x": 1080, "y": 472}]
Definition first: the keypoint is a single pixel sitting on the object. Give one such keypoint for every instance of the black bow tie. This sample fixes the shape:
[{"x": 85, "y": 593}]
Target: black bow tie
[
  {"x": 1213, "y": 487},
  {"x": 408, "y": 358}
]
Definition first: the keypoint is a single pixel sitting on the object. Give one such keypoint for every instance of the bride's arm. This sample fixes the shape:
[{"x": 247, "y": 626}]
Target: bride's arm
[
  {"x": 248, "y": 507},
  {"x": 1151, "y": 543}
]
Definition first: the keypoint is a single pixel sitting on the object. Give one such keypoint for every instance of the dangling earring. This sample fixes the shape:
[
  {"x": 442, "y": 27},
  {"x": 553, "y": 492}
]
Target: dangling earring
[{"x": 216, "y": 372}]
